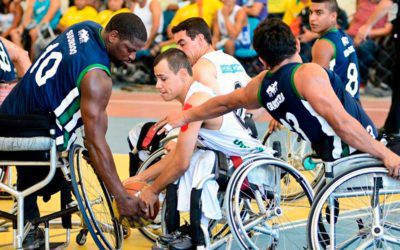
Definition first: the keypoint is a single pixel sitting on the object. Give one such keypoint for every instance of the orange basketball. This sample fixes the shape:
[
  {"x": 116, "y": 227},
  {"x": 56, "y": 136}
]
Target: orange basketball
[{"x": 133, "y": 188}]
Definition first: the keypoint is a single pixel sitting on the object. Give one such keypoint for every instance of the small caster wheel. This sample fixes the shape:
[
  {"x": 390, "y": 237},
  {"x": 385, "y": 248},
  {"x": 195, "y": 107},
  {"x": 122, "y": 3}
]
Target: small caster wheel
[
  {"x": 126, "y": 232},
  {"x": 81, "y": 237}
]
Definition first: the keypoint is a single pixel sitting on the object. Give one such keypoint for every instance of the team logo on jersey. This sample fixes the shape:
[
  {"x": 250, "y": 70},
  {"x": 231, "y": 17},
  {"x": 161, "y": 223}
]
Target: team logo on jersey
[
  {"x": 83, "y": 36},
  {"x": 71, "y": 42},
  {"x": 272, "y": 89}
]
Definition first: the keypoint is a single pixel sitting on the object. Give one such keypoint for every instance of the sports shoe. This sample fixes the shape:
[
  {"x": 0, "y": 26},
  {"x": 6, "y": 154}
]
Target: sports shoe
[
  {"x": 179, "y": 233},
  {"x": 34, "y": 239},
  {"x": 183, "y": 243},
  {"x": 376, "y": 91}
]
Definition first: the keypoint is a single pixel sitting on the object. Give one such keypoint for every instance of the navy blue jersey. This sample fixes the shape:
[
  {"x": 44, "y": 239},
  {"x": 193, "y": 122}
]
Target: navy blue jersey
[
  {"x": 7, "y": 73},
  {"x": 52, "y": 83},
  {"x": 344, "y": 61},
  {"x": 278, "y": 94}
]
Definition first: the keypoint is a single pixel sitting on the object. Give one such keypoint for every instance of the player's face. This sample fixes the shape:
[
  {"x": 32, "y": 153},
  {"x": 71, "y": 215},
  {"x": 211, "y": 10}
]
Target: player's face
[
  {"x": 168, "y": 82},
  {"x": 321, "y": 18},
  {"x": 115, "y": 5},
  {"x": 124, "y": 51},
  {"x": 192, "y": 48}
]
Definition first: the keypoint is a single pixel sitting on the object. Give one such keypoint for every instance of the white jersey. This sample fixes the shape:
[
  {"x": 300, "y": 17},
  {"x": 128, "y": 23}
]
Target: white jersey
[
  {"x": 244, "y": 36},
  {"x": 232, "y": 139},
  {"x": 147, "y": 18},
  {"x": 230, "y": 75}
]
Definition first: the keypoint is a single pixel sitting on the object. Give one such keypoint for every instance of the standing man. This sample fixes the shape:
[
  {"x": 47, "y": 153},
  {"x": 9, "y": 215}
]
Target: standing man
[
  {"x": 334, "y": 49},
  {"x": 392, "y": 124},
  {"x": 71, "y": 81},
  {"x": 306, "y": 98}
]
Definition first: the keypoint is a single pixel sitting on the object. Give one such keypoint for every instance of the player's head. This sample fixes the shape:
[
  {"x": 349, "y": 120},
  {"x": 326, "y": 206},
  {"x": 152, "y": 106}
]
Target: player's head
[
  {"x": 125, "y": 34},
  {"x": 172, "y": 69},
  {"x": 115, "y": 5},
  {"x": 274, "y": 42},
  {"x": 323, "y": 15},
  {"x": 193, "y": 37}
]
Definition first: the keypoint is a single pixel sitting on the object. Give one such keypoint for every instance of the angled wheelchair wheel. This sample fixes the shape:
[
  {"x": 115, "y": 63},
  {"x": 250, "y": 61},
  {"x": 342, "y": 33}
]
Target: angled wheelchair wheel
[
  {"x": 259, "y": 214},
  {"x": 155, "y": 229},
  {"x": 293, "y": 150},
  {"x": 359, "y": 209},
  {"x": 216, "y": 229},
  {"x": 94, "y": 201}
]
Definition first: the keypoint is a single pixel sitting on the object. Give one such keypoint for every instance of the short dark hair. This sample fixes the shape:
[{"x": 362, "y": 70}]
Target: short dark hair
[
  {"x": 193, "y": 27},
  {"x": 274, "y": 41},
  {"x": 176, "y": 60},
  {"x": 333, "y": 5},
  {"x": 129, "y": 27}
]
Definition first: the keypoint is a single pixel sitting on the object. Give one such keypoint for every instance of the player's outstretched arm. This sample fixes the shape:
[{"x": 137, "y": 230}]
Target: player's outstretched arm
[
  {"x": 19, "y": 57},
  {"x": 246, "y": 97},
  {"x": 95, "y": 94},
  {"x": 313, "y": 84}
]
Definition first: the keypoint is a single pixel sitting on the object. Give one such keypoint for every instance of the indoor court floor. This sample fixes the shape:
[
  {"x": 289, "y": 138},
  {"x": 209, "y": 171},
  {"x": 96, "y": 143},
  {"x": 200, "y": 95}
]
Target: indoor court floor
[{"x": 124, "y": 111}]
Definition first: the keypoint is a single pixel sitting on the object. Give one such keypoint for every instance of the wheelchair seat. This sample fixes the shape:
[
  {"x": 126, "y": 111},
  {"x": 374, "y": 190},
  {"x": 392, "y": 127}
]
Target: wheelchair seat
[{"x": 26, "y": 138}]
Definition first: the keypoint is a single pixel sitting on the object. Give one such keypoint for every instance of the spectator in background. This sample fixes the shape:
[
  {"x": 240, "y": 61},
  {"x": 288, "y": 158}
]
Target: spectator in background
[
  {"x": 150, "y": 13},
  {"x": 230, "y": 28},
  {"x": 81, "y": 11},
  {"x": 205, "y": 9},
  {"x": 38, "y": 13},
  {"x": 254, "y": 8},
  {"x": 367, "y": 50},
  {"x": 276, "y": 8},
  {"x": 97, "y": 4},
  {"x": 292, "y": 11},
  {"x": 114, "y": 7},
  {"x": 10, "y": 17}
]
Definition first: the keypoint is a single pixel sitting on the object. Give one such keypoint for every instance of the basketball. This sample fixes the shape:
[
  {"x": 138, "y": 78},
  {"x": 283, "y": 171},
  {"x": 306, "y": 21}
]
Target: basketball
[{"x": 134, "y": 188}]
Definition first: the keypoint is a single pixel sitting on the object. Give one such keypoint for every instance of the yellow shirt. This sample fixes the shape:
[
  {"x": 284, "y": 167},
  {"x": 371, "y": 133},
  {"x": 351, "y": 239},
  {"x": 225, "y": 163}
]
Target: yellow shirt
[
  {"x": 277, "y": 6},
  {"x": 210, "y": 7},
  {"x": 73, "y": 16},
  {"x": 105, "y": 16},
  {"x": 293, "y": 9}
]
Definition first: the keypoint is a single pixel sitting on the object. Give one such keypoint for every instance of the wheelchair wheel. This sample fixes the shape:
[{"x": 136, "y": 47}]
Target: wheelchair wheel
[
  {"x": 294, "y": 150},
  {"x": 153, "y": 230},
  {"x": 94, "y": 201},
  {"x": 359, "y": 209},
  {"x": 259, "y": 214},
  {"x": 216, "y": 229}
]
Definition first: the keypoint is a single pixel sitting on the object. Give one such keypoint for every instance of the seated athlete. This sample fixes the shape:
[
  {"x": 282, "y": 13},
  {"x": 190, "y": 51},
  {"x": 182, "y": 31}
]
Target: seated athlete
[
  {"x": 305, "y": 98},
  {"x": 71, "y": 82},
  {"x": 225, "y": 134}
]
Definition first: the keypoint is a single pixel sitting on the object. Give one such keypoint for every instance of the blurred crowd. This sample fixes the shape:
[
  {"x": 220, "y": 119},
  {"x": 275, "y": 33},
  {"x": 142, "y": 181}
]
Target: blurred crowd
[{"x": 31, "y": 24}]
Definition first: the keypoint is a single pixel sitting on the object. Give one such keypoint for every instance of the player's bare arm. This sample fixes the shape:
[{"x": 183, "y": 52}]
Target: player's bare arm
[
  {"x": 246, "y": 97},
  {"x": 181, "y": 156},
  {"x": 311, "y": 80},
  {"x": 96, "y": 91},
  {"x": 19, "y": 57},
  {"x": 322, "y": 53}
]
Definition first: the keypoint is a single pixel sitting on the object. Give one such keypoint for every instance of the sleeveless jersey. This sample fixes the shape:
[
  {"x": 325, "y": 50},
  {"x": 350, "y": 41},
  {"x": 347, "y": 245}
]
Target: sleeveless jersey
[
  {"x": 243, "y": 38},
  {"x": 7, "y": 73},
  {"x": 147, "y": 17},
  {"x": 52, "y": 83},
  {"x": 232, "y": 139},
  {"x": 344, "y": 61},
  {"x": 230, "y": 75},
  {"x": 279, "y": 96}
]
